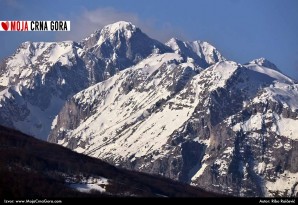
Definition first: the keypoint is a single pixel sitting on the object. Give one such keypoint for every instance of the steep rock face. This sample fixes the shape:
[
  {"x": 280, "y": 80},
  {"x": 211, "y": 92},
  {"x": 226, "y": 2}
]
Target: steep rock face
[{"x": 229, "y": 128}]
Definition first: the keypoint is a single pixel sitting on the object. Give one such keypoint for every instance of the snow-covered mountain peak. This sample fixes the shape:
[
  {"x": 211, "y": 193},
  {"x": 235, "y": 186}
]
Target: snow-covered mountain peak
[
  {"x": 121, "y": 45},
  {"x": 46, "y": 53},
  {"x": 111, "y": 33},
  {"x": 203, "y": 48},
  {"x": 114, "y": 30},
  {"x": 264, "y": 62},
  {"x": 202, "y": 52},
  {"x": 174, "y": 44},
  {"x": 120, "y": 25},
  {"x": 264, "y": 66}
]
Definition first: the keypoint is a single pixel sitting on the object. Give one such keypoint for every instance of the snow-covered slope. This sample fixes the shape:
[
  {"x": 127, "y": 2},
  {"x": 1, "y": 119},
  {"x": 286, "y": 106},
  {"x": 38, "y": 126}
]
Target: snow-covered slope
[
  {"x": 129, "y": 98},
  {"x": 32, "y": 58},
  {"x": 38, "y": 79},
  {"x": 217, "y": 131}
]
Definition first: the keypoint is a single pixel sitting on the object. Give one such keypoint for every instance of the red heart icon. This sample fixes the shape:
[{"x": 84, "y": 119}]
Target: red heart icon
[{"x": 5, "y": 25}]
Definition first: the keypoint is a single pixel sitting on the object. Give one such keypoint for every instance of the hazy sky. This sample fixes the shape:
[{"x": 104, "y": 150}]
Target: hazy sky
[{"x": 241, "y": 30}]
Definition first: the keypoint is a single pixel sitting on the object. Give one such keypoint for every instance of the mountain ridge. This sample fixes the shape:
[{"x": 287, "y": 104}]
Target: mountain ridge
[{"x": 45, "y": 74}]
